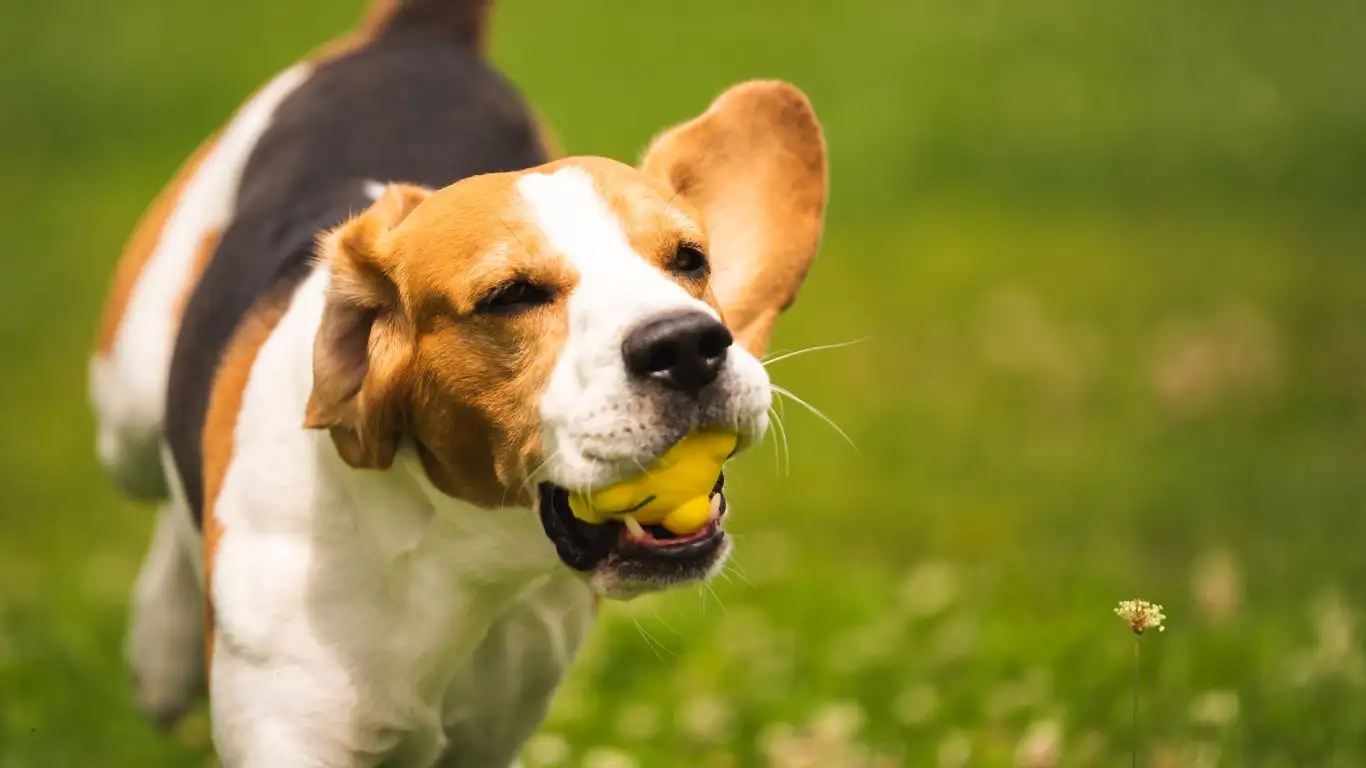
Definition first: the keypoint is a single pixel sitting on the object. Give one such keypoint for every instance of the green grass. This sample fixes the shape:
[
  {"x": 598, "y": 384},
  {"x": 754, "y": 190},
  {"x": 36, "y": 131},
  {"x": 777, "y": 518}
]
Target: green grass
[{"x": 1108, "y": 260}]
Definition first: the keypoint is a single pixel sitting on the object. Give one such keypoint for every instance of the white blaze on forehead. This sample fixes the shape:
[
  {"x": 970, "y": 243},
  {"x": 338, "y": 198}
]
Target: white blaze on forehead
[{"x": 578, "y": 223}]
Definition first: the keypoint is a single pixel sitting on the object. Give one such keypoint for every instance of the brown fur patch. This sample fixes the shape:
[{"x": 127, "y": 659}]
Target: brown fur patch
[
  {"x": 220, "y": 423},
  {"x": 141, "y": 245}
]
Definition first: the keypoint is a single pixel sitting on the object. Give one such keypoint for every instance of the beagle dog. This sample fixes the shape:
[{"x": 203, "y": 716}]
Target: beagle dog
[{"x": 367, "y": 341}]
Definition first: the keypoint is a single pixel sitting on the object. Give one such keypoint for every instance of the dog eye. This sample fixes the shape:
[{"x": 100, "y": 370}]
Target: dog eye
[
  {"x": 512, "y": 297},
  {"x": 689, "y": 261}
]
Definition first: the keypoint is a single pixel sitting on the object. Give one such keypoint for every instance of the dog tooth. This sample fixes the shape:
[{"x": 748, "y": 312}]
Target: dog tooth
[{"x": 633, "y": 525}]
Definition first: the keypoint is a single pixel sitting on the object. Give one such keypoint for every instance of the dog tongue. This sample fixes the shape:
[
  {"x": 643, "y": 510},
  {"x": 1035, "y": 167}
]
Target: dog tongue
[{"x": 675, "y": 492}]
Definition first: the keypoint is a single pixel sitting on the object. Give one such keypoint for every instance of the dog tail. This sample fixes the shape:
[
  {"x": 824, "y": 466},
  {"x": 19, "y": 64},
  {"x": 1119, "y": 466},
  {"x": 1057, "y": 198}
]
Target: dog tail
[{"x": 463, "y": 21}]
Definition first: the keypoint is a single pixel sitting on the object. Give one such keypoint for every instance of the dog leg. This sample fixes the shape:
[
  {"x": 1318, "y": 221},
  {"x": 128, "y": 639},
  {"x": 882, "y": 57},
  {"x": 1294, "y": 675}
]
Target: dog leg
[
  {"x": 288, "y": 710},
  {"x": 165, "y": 644},
  {"x": 504, "y": 694}
]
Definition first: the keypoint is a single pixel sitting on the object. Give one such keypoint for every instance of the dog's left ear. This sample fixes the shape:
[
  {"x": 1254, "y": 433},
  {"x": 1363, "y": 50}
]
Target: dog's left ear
[
  {"x": 363, "y": 347},
  {"x": 754, "y": 166}
]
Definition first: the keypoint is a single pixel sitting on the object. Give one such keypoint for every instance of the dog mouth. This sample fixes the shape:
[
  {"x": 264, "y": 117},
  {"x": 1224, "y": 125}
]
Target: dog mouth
[{"x": 639, "y": 547}]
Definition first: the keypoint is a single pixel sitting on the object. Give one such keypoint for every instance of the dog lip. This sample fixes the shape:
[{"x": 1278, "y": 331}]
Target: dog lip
[{"x": 573, "y": 542}]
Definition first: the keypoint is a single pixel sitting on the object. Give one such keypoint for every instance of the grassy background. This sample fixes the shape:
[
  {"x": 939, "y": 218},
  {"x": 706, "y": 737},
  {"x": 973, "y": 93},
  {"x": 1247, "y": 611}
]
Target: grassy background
[{"x": 1110, "y": 260}]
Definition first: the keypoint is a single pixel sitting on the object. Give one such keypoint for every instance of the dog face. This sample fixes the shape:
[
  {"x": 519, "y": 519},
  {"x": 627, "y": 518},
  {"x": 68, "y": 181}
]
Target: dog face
[{"x": 560, "y": 328}]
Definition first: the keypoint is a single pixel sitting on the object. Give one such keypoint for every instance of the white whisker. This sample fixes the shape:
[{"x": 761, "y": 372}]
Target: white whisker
[
  {"x": 666, "y": 624},
  {"x": 816, "y": 412},
  {"x": 529, "y": 483},
  {"x": 734, "y": 567},
  {"x": 782, "y": 451},
  {"x": 777, "y": 449},
  {"x": 779, "y": 357},
  {"x": 719, "y": 602},
  {"x": 532, "y": 475},
  {"x": 650, "y": 640}
]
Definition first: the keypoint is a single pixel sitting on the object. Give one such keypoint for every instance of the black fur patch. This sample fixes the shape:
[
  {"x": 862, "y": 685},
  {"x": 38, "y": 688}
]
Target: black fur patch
[{"x": 405, "y": 107}]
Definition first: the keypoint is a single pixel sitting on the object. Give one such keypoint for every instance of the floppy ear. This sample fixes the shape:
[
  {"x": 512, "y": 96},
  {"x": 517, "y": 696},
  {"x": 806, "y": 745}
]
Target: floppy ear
[
  {"x": 754, "y": 165},
  {"x": 364, "y": 344}
]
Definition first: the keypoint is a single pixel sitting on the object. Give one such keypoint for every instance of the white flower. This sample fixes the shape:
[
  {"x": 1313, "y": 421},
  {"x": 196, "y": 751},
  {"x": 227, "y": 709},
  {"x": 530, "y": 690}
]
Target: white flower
[{"x": 1141, "y": 615}]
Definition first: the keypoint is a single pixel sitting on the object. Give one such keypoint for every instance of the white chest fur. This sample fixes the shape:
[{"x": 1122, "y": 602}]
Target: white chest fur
[{"x": 363, "y": 617}]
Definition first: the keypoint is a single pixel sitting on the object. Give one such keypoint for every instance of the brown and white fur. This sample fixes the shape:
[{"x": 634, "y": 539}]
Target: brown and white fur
[{"x": 351, "y": 533}]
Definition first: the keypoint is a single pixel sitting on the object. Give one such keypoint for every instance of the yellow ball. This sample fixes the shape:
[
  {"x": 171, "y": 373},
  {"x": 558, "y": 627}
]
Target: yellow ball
[{"x": 675, "y": 492}]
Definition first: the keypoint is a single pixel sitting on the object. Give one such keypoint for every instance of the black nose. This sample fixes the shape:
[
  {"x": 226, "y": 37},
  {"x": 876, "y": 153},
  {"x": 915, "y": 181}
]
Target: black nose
[{"x": 682, "y": 351}]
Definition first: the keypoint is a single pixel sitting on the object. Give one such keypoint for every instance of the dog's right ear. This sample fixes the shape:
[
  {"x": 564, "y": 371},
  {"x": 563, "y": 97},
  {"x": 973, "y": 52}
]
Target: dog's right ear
[{"x": 364, "y": 343}]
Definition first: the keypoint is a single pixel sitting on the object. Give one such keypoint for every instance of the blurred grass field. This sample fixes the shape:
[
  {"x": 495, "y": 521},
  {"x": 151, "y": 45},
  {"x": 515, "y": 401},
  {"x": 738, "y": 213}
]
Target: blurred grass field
[{"x": 1109, "y": 261}]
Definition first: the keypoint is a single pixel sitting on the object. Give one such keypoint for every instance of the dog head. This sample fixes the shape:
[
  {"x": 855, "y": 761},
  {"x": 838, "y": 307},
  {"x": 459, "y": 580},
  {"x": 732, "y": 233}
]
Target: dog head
[{"x": 561, "y": 327}]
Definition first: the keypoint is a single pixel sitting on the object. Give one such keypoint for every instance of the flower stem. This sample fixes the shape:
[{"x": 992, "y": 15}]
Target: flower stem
[{"x": 1133, "y": 723}]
